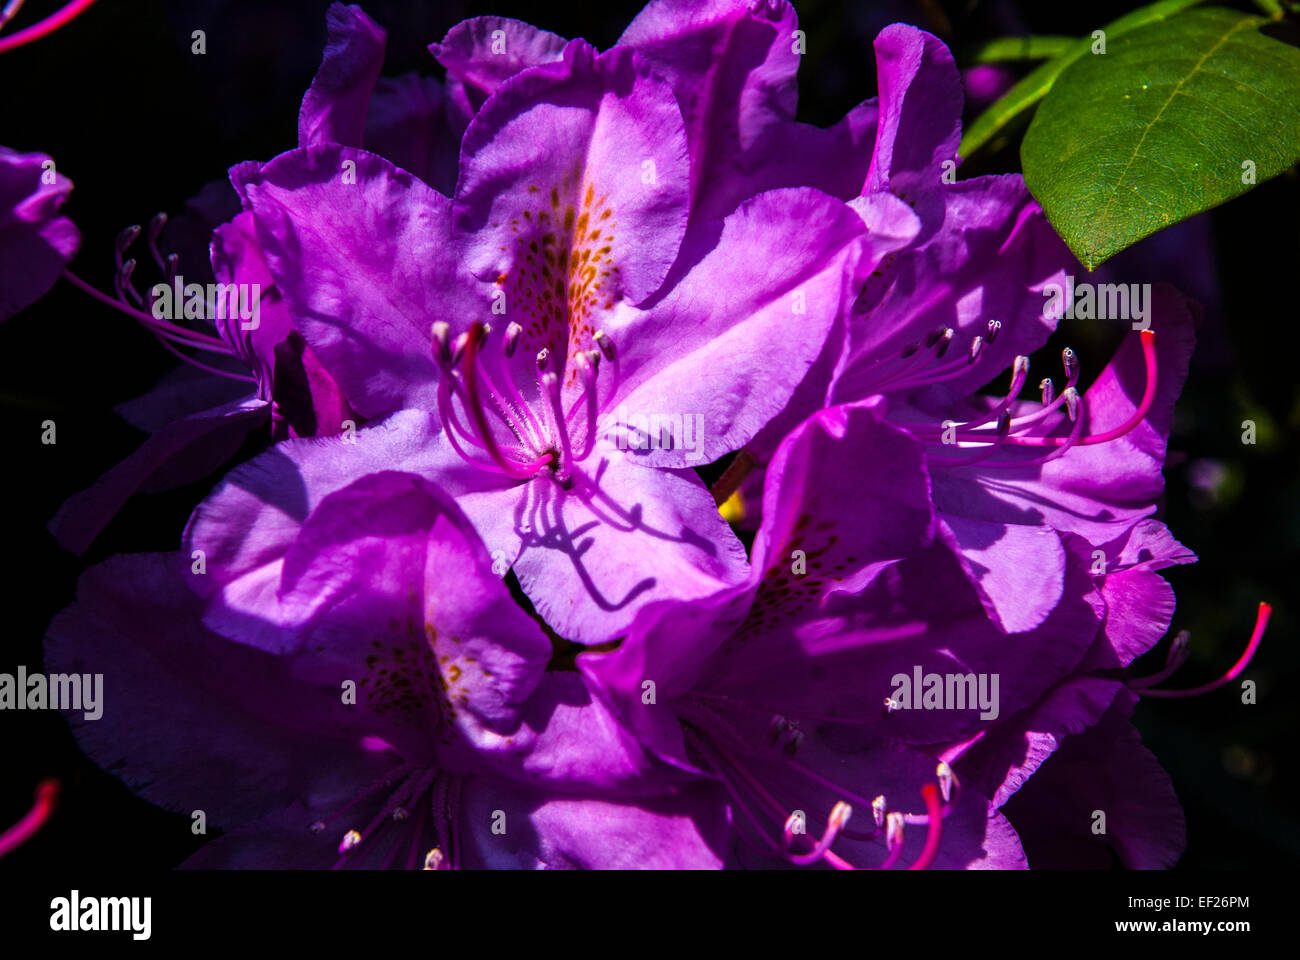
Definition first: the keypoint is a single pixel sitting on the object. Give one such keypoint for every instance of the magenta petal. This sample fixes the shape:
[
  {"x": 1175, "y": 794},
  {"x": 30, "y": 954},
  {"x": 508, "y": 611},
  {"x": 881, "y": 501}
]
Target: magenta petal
[
  {"x": 185, "y": 450},
  {"x": 1105, "y": 769},
  {"x": 685, "y": 830},
  {"x": 590, "y": 153},
  {"x": 1017, "y": 569},
  {"x": 265, "y": 738},
  {"x": 334, "y": 109},
  {"x": 246, "y": 525},
  {"x": 387, "y": 585},
  {"x": 992, "y": 260},
  {"x": 483, "y": 52},
  {"x": 845, "y": 660},
  {"x": 731, "y": 340},
  {"x": 35, "y": 242},
  {"x": 414, "y": 123},
  {"x": 182, "y": 391},
  {"x": 624, "y": 536},
  {"x": 1002, "y": 761},
  {"x": 1139, "y": 602},
  {"x": 360, "y": 250},
  {"x": 307, "y": 400},
  {"x": 844, "y": 524},
  {"x": 920, "y": 117},
  {"x": 732, "y": 66}
]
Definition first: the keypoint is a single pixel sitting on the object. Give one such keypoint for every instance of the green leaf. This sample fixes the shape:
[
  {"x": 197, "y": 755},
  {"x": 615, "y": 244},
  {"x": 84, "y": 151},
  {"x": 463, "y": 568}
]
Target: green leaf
[
  {"x": 1025, "y": 94},
  {"x": 1173, "y": 119},
  {"x": 1006, "y": 49}
]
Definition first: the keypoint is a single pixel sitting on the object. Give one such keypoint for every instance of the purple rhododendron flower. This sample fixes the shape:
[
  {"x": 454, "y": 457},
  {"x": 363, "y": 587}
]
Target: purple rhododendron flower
[
  {"x": 570, "y": 215},
  {"x": 503, "y": 318},
  {"x": 965, "y": 298},
  {"x": 35, "y": 242},
  {"x": 452, "y": 724}
]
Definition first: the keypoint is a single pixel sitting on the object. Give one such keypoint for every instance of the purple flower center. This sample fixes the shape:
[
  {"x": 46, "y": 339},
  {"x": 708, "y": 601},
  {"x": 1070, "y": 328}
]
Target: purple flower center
[
  {"x": 996, "y": 430},
  {"x": 506, "y": 415},
  {"x": 428, "y": 792},
  {"x": 726, "y": 753}
]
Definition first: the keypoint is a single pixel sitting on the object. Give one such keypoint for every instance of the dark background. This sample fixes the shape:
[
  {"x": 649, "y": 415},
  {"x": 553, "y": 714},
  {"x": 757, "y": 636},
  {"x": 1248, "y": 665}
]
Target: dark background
[{"x": 140, "y": 125}]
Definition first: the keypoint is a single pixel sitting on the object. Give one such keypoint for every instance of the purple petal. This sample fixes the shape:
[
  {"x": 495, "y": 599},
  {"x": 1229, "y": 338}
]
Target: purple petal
[
  {"x": 414, "y": 124},
  {"x": 625, "y": 535},
  {"x": 846, "y": 659},
  {"x": 1097, "y": 491},
  {"x": 733, "y": 338},
  {"x": 387, "y": 585},
  {"x": 172, "y": 691},
  {"x": 920, "y": 117},
  {"x": 1104, "y": 769},
  {"x": 249, "y": 521},
  {"x": 999, "y": 763},
  {"x": 685, "y": 830},
  {"x": 361, "y": 253},
  {"x": 35, "y": 243},
  {"x": 1017, "y": 569},
  {"x": 483, "y": 52},
  {"x": 587, "y": 159},
  {"x": 732, "y": 66},
  {"x": 334, "y": 108},
  {"x": 992, "y": 259},
  {"x": 181, "y": 452}
]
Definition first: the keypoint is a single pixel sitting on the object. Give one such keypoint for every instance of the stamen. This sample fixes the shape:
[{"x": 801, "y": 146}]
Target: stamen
[
  {"x": 551, "y": 387},
  {"x": 122, "y": 242},
  {"x": 45, "y": 27},
  {"x": 470, "y": 341},
  {"x": 122, "y": 282},
  {"x": 1072, "y": 402},
  {"x": 1261, "y": 622},
  {"x": 163, "y": 329},
  {"x": 441, "y": 332},
  {"x": 995, "y": 327},
  {"x": 1049, "y": 391},
  {"x": 1144, "y": 407},
  {"x": 945, "y": 775},
  {"x": 1175, "y": 658},
  {"x": 587, "y": 370},
  {"x": 511, "y": 339},
  {"x": 434, "y": 860},
  {"x": 935, "y": 811},
  {"x": 1003, "y": 428},
  {"x": 47, "y": 798},
  {"x": 156, "y": 224},
  {"x": 839, "y": 816}
]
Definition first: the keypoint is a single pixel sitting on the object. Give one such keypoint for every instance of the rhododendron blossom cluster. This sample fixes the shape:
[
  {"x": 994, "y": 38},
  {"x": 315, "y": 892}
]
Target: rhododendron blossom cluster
[{"x": 474, "y": 604}]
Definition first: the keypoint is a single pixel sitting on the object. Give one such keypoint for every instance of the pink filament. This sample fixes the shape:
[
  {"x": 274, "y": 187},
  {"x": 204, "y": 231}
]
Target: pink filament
[
  {"x": 47, "y": 797},
  {"x": 1261, "y": 621},
  {"x": 935, "y": 810},
  {"x": 47, "y": 26}
]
